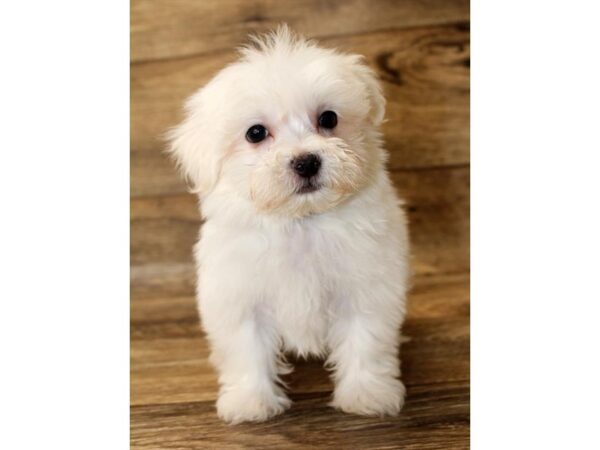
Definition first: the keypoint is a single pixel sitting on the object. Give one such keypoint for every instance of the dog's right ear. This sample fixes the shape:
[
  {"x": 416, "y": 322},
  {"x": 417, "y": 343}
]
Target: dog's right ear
[{"x": 194, "y": 146}]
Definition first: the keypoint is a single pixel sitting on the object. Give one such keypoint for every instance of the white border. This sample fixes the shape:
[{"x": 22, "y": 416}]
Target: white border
[
  {"x": 64, "y": 239},
  {"x": 535, "y": 221}
]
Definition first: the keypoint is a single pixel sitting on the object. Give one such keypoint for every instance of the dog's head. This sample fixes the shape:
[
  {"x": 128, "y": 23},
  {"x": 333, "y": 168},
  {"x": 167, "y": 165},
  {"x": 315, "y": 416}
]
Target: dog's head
[{"x": 292, "y": 127}]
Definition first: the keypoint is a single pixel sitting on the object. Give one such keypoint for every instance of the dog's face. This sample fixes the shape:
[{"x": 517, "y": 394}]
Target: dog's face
[{"x": 291, "y": 127}]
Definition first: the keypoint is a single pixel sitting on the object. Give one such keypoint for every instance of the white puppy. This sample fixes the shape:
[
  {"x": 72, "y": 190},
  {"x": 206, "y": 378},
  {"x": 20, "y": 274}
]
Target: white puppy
[{"x": 304, "y": 246}]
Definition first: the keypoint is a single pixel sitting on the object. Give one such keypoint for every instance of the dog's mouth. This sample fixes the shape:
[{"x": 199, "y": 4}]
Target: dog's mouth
[{"x": 308, "y": 186}]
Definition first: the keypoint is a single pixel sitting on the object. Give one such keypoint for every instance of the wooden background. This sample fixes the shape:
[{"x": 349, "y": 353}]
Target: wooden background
[{"x": 421, "y": 51}]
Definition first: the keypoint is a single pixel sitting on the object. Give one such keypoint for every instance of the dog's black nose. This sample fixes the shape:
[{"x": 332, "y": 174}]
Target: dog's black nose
[{"x": 306, "y": 165}]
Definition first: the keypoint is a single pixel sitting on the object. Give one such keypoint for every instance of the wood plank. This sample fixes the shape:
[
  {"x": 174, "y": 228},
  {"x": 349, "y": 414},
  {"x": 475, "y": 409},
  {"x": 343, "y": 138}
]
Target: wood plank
[
  {"x": 438, "y": 207},
  {"x": 434, "y": 417},
  {"x": 160, "y": 279},
  {"x": 425, "y": 75},
  {"x": 164, "y": 230},
  {"x": 169, "y": 354},
  {"x": 176, "y": 369},
  {"x": 170, "y": 29},
  {"x": 432, "y": 297}
]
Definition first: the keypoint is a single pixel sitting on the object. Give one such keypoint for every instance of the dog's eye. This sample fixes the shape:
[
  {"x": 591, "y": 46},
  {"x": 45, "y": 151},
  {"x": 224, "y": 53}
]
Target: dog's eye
[
  {"x": 328, "y": 120},
  {"x": 256, "y": 133}
]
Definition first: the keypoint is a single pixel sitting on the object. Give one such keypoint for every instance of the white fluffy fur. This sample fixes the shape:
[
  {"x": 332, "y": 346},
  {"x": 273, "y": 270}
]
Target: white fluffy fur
[{"x": 323, "y": 273}]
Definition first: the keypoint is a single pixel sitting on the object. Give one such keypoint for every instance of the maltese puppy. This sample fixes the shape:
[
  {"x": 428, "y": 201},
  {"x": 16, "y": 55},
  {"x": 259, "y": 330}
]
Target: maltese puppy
[{"x": 304, "y": 245}]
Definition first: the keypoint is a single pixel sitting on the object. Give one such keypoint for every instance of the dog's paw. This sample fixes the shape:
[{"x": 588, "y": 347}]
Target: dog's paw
[
  {"x": 378, "y": 397},
  {"x": 236, "y": 405}
]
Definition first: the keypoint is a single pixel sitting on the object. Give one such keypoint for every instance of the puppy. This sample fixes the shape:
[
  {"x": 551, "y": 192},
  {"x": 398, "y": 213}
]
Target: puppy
[{"x": 304, "y": 246}]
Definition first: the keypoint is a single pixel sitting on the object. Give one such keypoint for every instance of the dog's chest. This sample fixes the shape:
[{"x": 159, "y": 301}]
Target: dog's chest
[
  {"x": 303, "y": 286},
  {"x": 300, "y": 246},
  {"x": 308, "y": 249}
]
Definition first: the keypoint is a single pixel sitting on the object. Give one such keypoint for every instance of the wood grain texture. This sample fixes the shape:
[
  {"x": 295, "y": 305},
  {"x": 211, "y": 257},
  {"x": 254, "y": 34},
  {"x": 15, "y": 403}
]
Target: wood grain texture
[
  {"x": 435, "y": 417},
  {"x": 169, "y": 359},
  {"x": 174, "y": 387},
  {"x": 420, "y": 49},
  {"x": 176, "y": 28},
  {"x": 425, "y": 75}
]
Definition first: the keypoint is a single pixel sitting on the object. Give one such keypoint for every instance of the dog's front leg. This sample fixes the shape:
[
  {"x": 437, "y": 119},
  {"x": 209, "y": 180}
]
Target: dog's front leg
[
  {"x": 364, "y": 344},
  {"x": 245, "y": 354}
]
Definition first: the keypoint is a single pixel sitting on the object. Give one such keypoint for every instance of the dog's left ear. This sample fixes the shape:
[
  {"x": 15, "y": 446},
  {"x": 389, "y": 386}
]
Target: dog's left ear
[
  {"x": 370, "y": 81},
  {"x": 195, "y": 146}
]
